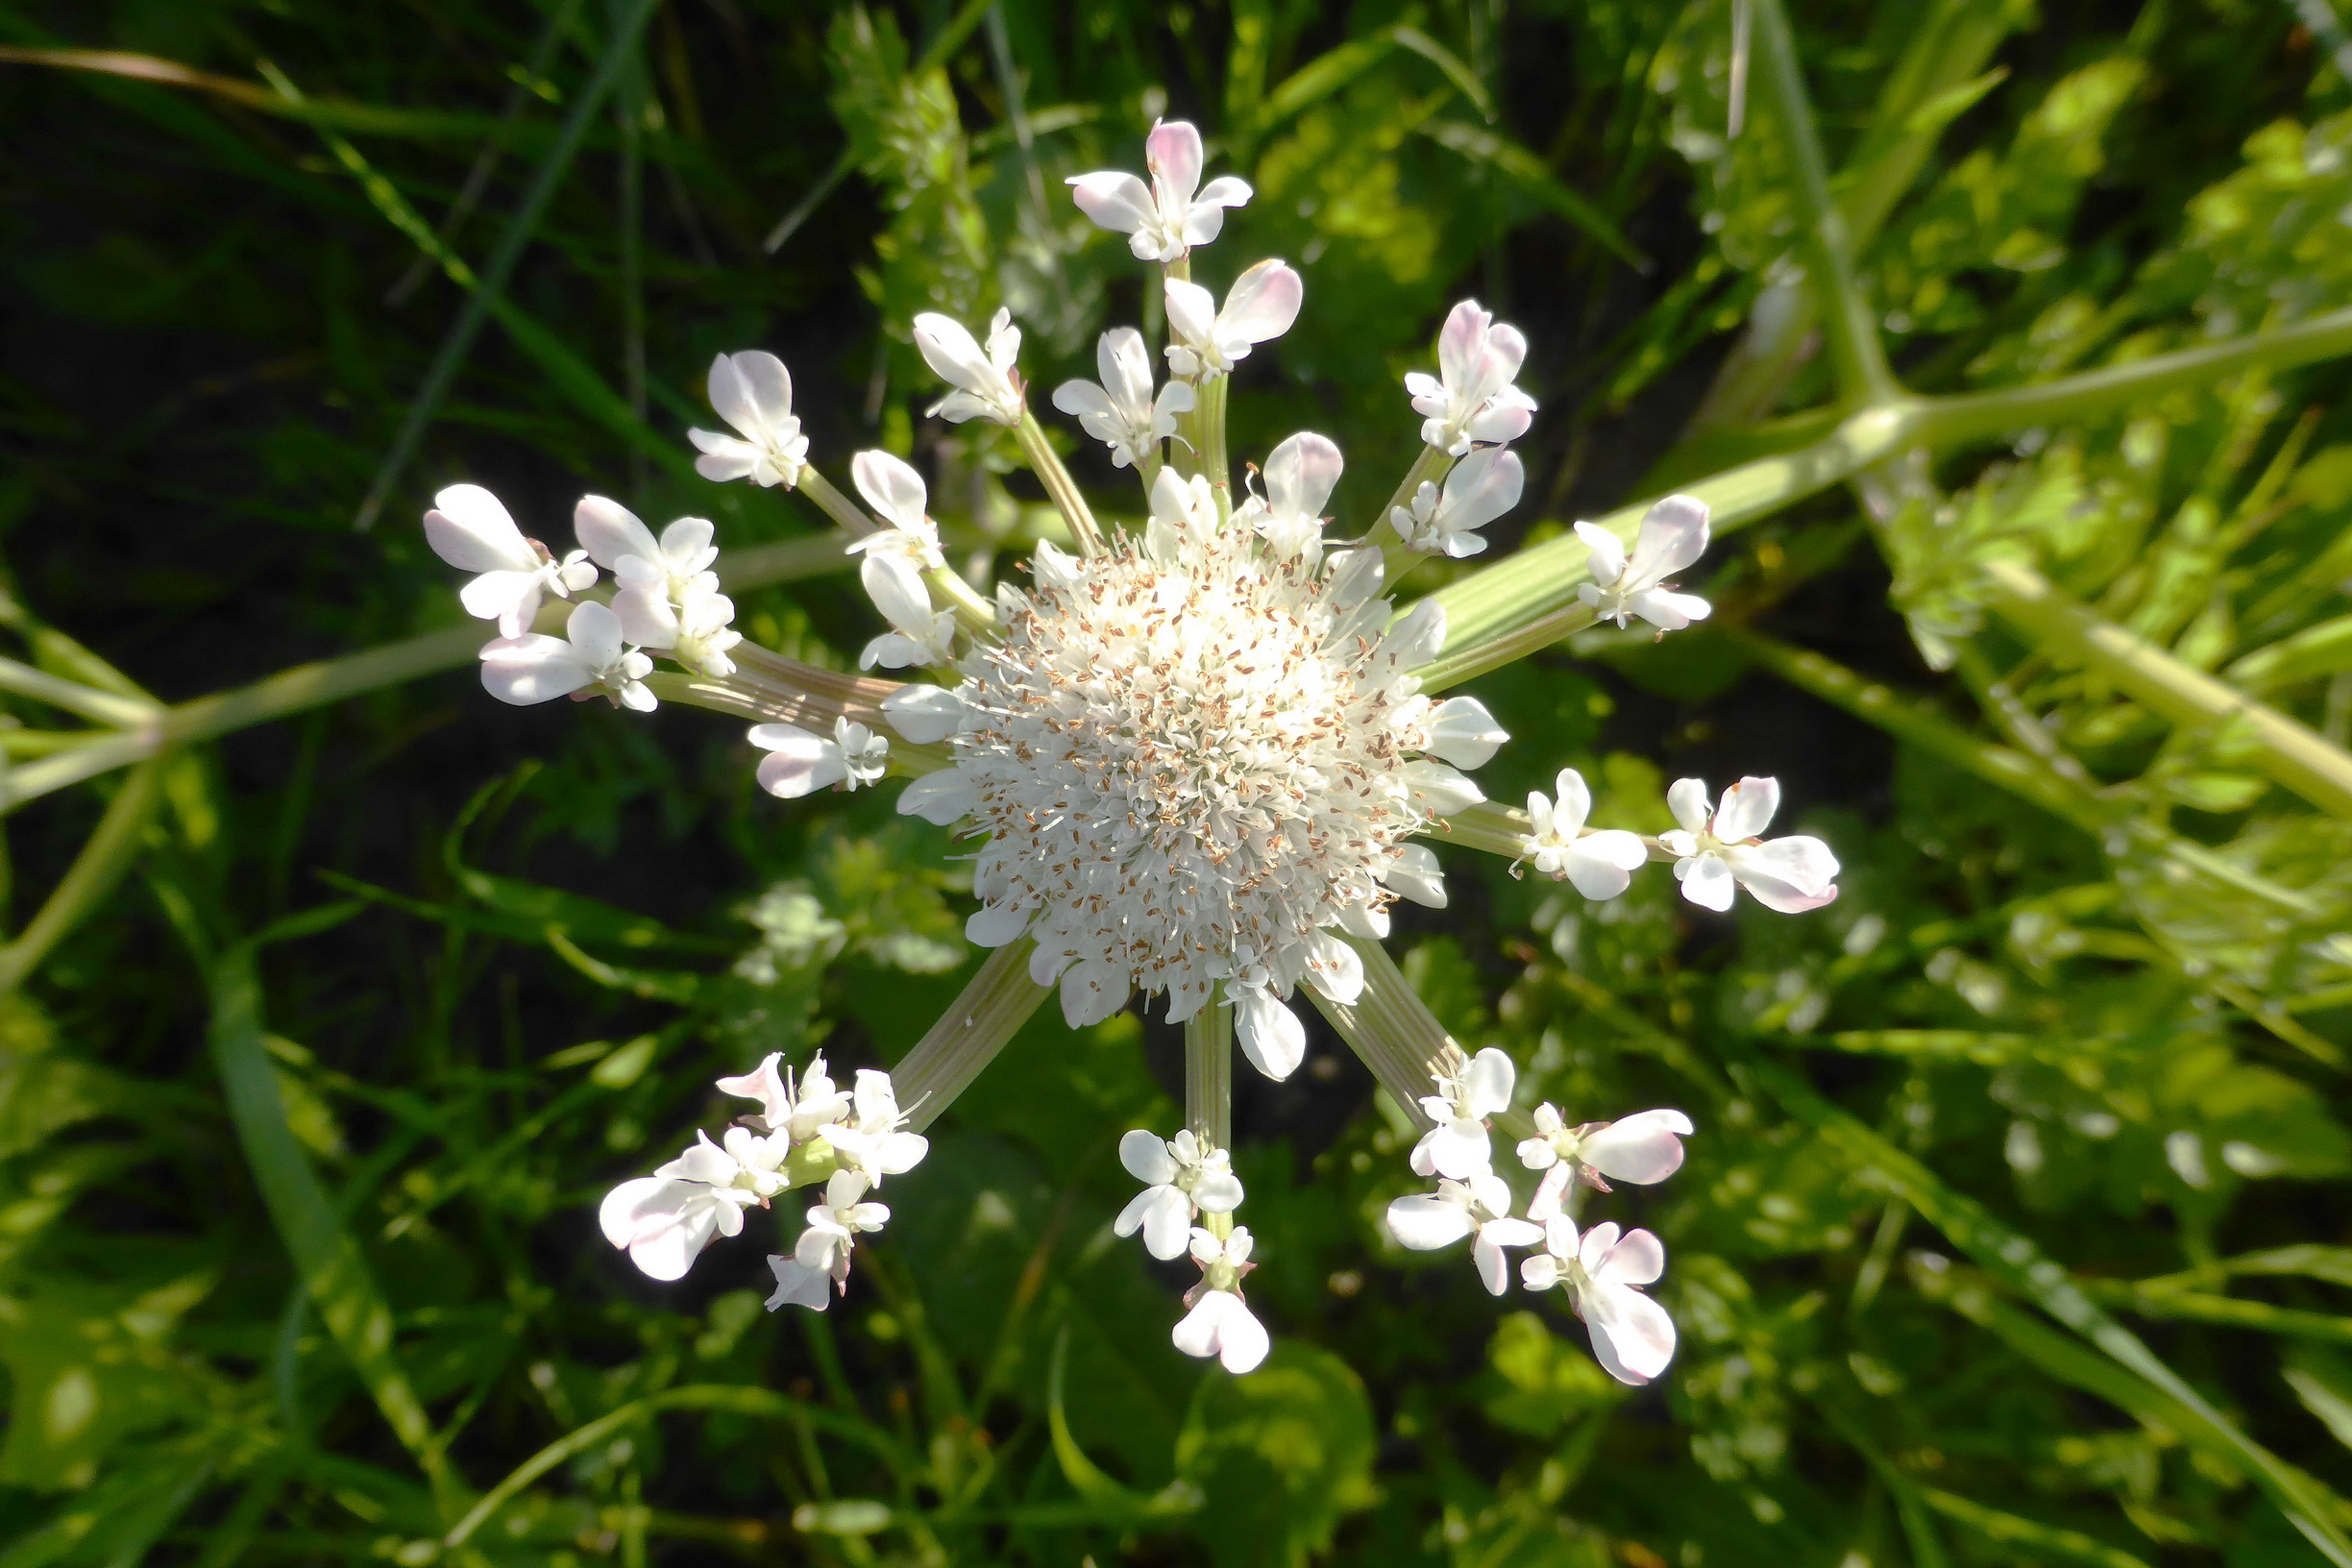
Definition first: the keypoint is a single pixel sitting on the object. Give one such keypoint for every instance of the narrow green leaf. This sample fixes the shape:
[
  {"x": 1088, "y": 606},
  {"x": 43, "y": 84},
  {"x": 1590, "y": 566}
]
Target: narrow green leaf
[{"x": 1522, "y": 169}]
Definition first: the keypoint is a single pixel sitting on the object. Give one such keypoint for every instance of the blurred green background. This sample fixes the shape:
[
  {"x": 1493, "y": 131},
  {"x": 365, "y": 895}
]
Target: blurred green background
[{"x": 2017, "y": 1229}]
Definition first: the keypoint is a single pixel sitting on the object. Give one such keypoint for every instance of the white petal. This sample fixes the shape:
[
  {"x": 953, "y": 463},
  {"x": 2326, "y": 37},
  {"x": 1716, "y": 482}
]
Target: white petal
[
  {"x": 509, "y": 598},
  {"x": 897, "y": 591},
  {"x": 1220, "y": 1193},
  {"x": 1355, "y": 577},
  {"x": 1641, "y": 1148},
  {"x": 1146, "y": 1157},
  {"x": 1115, "y": 200},
  {"x": 647, "y": 618},
  {"x": 1425, "y": 1223},
  {"x": 1174, "y": 153},
  {"x": 1668, "y": 612},
  {"x": 1459, "y": 1150},
  {"x": 1487, "y": 1087},
  {"x": 1608, "y": 559},
  {"x": 618, "y": 1213},
  {"x": 798, "y": 763},
  {"x": 1637, "y": 1258},
  {"x": 1301, "y": 474},
  {"x": 1633, "y": 1339},
  {"x": 924, "y": 714},
  {"x": 1481, "y": 487},
  {"x": 1191, "y": 312},
  {"x": 1673, "y": 534},
  {"x": 534, "y": 669},
  {"x": 994, "y": 925},
  {"x": 1443, "y": 790},
  {"x": 1463, "y": 733},
  {"x": 668, "y": 1251},
  {"x": 608, "y": 530},
  {"x": 1164, "y": 1216},
  {"x": 1706, "y": 881},
  {"x": 1601, "y": 865},
  {"x": 1687, "y": 800},
  {"x": 1493, "y": 1266},
  {"x": 1331, "y": 967},
  {"x": 799, "y": 1286},
  {"x": 941, "y": 798},
  {"x": 1417, "y": 874},
  {"x": 470, "y": 529},
  {"x": 891, "y": 488},
  {"x": 1091, "y": 991},
  {"x": 1271, "y": 1034},
  {"x": 1747, "y": 808},
  {"x": 1419, "y": 635}
]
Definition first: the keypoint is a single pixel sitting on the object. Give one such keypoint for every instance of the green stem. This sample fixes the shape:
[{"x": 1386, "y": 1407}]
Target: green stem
[
  {"x": 1855, "y": 353},
  {"x": 1046, "y": 464},
  {"x": 1210, "y": 415},
  {"x": 101, "y": 864},
  {"x": 2284, "y": 750},
  {"x": 99, "y": 707},
  {"x": 1391, "y": 1029},
  {"x": 1208, "y": 1038},
  {"x": 845, "y": 513},
  {"x": 1509, "y": 648},
  {"x": 968, "y": 1034}
]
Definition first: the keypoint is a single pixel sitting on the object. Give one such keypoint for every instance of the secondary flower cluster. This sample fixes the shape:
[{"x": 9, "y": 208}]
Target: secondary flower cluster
[
  {"x": 1198, "y": 757},
  {"x": 804, "y": 1132},
  {"x": 1599, "y": 1269}
]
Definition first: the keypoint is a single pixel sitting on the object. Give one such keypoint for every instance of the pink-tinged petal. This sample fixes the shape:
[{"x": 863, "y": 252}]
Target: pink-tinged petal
[
  {"x": 470, "y": 529},
  {"x": 1687, "y": 800},
  {"x": 1638, "y": 1258},
  {"x": 1261, "y": 304},
  {"x": 1506, "y": 348},
  {"x": 1789, "y": 876},
  {"x": 940, "y": 799},
  {"x": 1706, "y": 881},
  {"x": 1506, "y": 417},
  {"x": 1609, "y": 558},
  {"x": 534, "y": 669},
  {"x": 1487, "y": 1087},
  {"x": 1222, "y": 1326},
  {"x": 1146, "y": 1157},
  {"x": 1301, "y": 474},
  {"x": 1482, "y": 487},
  {"x": 1114, "y": 199},
  {"x": 608, "y": 530},
  {"x": 1271, "y": 1034},
  {"x": 1174, "y": 153},
  {"x": 1634, "y": 1338},
  {"x": 1673, "y": 534},
  {"x": 1668, "y": 611},
  {"x": 1463, "y": 733},
  {"x": 763, "y": 1084},
  {"x": 798, "y": 764},
  {"x": 1641, "y": 1149},
  {"x": 1748, "y": 809},
  {"x": 799, "y": 1286},
  {"x": 1425, "y": 1223},
  {"x": 1460, "y": 342},
  {"x": 891, "y": 487}
]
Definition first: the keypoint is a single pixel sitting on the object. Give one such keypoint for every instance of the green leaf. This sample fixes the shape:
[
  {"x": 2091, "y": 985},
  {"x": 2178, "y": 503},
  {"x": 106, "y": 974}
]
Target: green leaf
[{"x": 1280, "y": 1456}]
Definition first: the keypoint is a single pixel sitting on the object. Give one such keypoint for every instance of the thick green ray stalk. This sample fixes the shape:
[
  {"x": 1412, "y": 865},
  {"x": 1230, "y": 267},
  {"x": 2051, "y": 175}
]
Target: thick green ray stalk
[
  {"x": 1046, "y": 464},
  {"x": 1209, "y": 1040},
  {"x": 977, "y": 1025}
]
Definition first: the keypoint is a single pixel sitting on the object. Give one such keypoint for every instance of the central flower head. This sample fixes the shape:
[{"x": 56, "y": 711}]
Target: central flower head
[{"x": 1195, "y": 756}]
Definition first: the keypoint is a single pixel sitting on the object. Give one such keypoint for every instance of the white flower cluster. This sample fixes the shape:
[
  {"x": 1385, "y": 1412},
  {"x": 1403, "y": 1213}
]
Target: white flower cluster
[
  {"x": 666, "y": 600},
  {"x": 1601, "y": 1269},
  {"x": 805, "y": 1131},
  {"x": 1197, "y": 754},
  {"x": 1187, "y": 1180}
]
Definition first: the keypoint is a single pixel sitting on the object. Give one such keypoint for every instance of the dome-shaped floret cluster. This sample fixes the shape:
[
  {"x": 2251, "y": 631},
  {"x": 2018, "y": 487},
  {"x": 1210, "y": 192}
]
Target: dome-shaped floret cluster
[{"x": 1195, "y": 756}]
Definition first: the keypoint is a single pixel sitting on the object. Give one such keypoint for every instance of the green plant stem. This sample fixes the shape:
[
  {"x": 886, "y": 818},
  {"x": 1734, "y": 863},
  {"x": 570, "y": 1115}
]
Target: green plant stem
[
  {"x": 1209, "y": 1040},
  {"x": 1214, "y": 461},
  {"x": 1857, "y": 356},
  {"x": 2284, "y": 750},
  {"x": 845, "y": 512},
  {"x": 977, "y": 1025},
  {"x": 99, "y": 707},
  {"x": 1394, "y": 1032},
  {"x": 1046, "y": 464},
  {"x": 1509, "y": 648},
  {"x": 101, "y": 864},
  {"x": 974, "y": 613}
]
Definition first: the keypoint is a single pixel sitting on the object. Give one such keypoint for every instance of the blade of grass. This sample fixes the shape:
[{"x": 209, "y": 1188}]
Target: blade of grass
[
  {"x": 619, "y": 52},
  {"x": 2018, "y": 1264}
]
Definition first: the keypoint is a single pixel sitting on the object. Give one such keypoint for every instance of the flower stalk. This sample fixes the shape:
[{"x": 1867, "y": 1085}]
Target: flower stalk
[
  {"x": 1208, "y": 1039},
  {"x": 1060, "y": 487},
  {"x": 977, "y": 1025}
]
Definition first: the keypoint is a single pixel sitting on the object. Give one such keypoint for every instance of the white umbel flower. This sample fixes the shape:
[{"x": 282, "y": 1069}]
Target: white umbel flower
[
  {"x": 919, "y": 634},
  {"x": 1633, "y": 1338},
  {"x": 1601, "y": 861},
  {"x": 1207, "y": 340},
  {"x": 697, "y": 628},
  {"x": 987, "y": 385},
  {"x": 1478, "y": 1206},
  {"x": 800, "y": 762},
  {"x": 819, "y": 1263},
  {"x": 794, "y": 1108},
  {"x": 665, "y": 1219},
  {"x": 470, "y": 529},
  {"x": 592, "y": 656},
  {"x": 1480, "y": 488},
  {"x": 1300, "y": 475},
  {"x": 1123, "y": 412},
  {"x": 1471, "y": 399},
  {"x": 1641, "y": 1148},
  {"x": 1725, "y": 849},
  {"x": 1182, "y": 1178},
  {"x": 1218, "y": 1322},
  {"x": 1673, "y": 534},
  {"x": 902, "y": 501},
  {"x": 1163, "y": 220},
  {"x": 752, "y": 391},
  {"x": 1456, "y": 1147},
  {"x": 1193, "y": 760}
]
